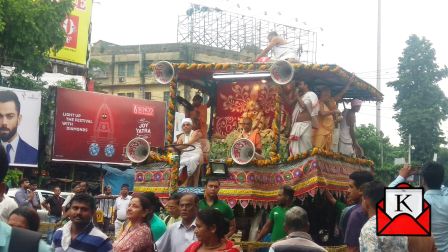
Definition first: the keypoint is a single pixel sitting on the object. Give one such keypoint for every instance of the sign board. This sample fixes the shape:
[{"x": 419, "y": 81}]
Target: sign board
[
  {"x": 19, "y": 125},
  {"x": 96, "y": 128},
  {"x": 77, "y": 28}
]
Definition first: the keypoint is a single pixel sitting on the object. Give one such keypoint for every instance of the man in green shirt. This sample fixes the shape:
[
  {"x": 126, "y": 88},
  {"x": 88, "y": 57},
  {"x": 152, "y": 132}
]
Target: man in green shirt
[
  {"x": 276, "y": 221},
  {"x": 211, "y": 200}
]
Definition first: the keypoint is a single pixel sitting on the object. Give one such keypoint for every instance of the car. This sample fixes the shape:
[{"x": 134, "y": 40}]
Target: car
[{"x": 42, "y": 195}]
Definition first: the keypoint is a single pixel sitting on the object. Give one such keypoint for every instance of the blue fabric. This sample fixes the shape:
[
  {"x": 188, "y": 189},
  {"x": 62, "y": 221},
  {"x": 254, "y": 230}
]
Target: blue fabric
[
  {"x": 5, "y": 237},
  {"x": 8, "y": 150},
  {"x": 90, "y": 240},
  {"x": 267, "y": 238},
  {"x": 115, "y": 178},
  {"x": 25, "y": 153},
  {"x": 51, "y": 219}
]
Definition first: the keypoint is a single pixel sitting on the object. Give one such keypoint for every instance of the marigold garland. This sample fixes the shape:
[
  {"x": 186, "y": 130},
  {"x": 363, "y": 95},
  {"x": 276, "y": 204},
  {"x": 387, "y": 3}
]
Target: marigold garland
[
  {"x": 170, "y": 113},
  {"x": 265, "y": 67},
  {"x": 275, "y": 158}
]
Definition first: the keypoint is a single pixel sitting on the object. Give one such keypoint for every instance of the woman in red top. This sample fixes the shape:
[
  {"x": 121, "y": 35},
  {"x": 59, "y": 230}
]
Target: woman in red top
[{"x": 211, "y": 228}]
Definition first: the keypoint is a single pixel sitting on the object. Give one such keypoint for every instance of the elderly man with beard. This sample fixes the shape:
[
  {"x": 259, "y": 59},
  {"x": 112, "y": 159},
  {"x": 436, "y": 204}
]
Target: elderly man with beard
[
  {"x": 17, "y": 150},
  {"x": 79, "y": 234}
]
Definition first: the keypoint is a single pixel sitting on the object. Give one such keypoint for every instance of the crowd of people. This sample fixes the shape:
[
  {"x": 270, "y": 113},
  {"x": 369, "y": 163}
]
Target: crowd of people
[{"x": 208, "y": 224}]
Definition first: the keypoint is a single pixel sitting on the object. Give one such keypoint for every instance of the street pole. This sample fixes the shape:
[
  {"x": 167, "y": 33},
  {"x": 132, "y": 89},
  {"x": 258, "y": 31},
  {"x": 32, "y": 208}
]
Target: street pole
[
  {"x": 378, "y": 69},
  {"x": 409, "y": 151},
  {"x": 141, "y": 72}
]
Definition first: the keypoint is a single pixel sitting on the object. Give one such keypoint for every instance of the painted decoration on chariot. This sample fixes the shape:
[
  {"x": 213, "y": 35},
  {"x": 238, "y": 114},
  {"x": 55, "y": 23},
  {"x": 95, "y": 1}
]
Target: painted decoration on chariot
[{"x": 244, "y": 99}]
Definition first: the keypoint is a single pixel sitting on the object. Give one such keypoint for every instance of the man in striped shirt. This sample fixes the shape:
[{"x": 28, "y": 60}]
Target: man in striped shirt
[{"x": 79, "y": 234}]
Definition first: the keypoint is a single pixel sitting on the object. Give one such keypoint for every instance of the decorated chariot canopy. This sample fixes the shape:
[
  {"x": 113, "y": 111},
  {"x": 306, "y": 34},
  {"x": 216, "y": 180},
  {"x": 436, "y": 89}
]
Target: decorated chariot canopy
[{"x": 206, "y": 76}]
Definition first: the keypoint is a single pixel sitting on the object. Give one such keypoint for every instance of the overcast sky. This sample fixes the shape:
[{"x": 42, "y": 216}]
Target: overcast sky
[{"x": 347, "y": 38}]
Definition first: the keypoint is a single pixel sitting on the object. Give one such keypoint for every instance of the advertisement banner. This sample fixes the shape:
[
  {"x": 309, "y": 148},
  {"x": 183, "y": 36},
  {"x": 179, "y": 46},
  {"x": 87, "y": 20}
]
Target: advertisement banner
[
  {"x": 95, "y": 128},
  {"x": 76, "y": 26},
  {"x": 19, "y": 125}
]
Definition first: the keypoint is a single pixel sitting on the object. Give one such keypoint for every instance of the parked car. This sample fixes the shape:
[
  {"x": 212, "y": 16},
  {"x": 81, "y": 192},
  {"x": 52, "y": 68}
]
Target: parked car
[{"x": 42, "y": 195}]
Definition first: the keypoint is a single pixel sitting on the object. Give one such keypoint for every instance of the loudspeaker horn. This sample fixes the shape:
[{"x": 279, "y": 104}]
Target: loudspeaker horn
[
  {"x": 242, "y": 151},
  {"x": 164, "y": 72},
  {"x": 137, "y": 150},
  {"x": 282, "y": 72}
]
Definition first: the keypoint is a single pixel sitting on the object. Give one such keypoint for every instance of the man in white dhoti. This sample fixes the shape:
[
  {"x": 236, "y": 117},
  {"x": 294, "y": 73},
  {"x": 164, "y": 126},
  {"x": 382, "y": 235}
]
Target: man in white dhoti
[
  {"x": 189, "y": 159},
  {"x": 306, "y": 107}
]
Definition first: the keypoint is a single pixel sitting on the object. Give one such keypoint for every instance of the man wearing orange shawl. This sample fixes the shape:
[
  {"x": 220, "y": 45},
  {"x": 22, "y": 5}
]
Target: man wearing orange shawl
[
  {"x": 253, "y": 135},
  {"x": 328, "y": 112}
]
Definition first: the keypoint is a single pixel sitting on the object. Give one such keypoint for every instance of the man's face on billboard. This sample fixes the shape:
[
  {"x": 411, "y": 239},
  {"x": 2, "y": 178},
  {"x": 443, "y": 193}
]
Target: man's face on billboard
[{"x": 9, "y": 121}]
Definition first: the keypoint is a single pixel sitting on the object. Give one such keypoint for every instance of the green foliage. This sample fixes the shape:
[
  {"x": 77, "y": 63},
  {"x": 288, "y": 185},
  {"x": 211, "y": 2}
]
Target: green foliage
[
  {"x": 97, "y": 68},
  {"x": 372, "y": 143},
  {"x": 421, "y": 104},
  {"x": 72, "y": 84},
  {"x": 12, "y": 178},
  {"x": 28, "y": 30},
  {"x": 442, "y": 157},
  {"x": 387, "y": 175}
]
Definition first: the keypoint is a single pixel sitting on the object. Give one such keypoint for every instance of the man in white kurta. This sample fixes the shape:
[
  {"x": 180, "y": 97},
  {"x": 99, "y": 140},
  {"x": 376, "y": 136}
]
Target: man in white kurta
[
  {"x": 300, "y": 138},
  {"x": 190, "y": 158}
]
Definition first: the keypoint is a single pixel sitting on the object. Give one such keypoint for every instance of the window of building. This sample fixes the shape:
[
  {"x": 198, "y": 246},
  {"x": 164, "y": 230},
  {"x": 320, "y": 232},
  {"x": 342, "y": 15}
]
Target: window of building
[
  {"x": 130, "y": 94},
  {"x": 166, "y": 95},
  {"x": 131, "y": 70},
  {"x": 148, "y": 95},
  {"x": 121, "y": 70},
  {"x": 121, "y": 94},
  {"x": 146, "y": 68}
]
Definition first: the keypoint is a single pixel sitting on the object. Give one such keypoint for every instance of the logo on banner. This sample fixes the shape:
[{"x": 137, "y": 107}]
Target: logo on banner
[
  {"x": 71, "y": 24},
  {"x": 143, "y": 110},
  {"x": 81, "y": 4},
  {"x": 143, "y": 129},
  {"x": 404, "y": 211}
]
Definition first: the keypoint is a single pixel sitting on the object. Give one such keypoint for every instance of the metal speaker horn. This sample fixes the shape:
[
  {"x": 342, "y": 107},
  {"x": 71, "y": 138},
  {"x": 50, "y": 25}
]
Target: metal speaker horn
[
  {"x": 164, "y": 72},
  {"x": 137, "y": 150},
  {"x": 282, "y": 72},
  {"x": 242, "y": 151}
]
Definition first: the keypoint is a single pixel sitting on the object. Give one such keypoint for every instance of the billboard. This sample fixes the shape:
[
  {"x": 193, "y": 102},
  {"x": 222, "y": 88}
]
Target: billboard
[
  {"x": 19, "y": 125},
  {"x": 76, "y": 26},
  {"x": 95, "y": 128}
]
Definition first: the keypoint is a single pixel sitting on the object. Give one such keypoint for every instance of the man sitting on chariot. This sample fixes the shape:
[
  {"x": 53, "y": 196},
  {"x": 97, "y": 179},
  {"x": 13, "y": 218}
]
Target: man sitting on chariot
[
  {"x": 190, "y": 158},
  {"x": 253, "y": 135},
  {"x": 280, "y": 48}
]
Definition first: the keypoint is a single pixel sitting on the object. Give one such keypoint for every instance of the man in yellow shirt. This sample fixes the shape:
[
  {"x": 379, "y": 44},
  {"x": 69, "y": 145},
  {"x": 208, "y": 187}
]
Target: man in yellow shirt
[{"x": 328, "y": 111}]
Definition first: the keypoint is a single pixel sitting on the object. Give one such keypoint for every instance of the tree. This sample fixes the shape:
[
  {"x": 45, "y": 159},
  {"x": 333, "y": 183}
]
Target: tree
[
  {"x": 372, "y": 143},
  {"x": 442, "y": 158},
  {"x": 72, "y": 84},
  {"x": 421, "y": 105},
  {"x": 28, "y": 30}
]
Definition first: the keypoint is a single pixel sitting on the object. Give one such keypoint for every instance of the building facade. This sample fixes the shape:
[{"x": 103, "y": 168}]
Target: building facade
[{"x": 125, "y": 69}]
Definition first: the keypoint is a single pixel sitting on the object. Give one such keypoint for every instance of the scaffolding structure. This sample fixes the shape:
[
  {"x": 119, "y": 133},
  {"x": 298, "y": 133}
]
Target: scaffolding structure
[{"x": 227, "y": 30}]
